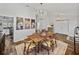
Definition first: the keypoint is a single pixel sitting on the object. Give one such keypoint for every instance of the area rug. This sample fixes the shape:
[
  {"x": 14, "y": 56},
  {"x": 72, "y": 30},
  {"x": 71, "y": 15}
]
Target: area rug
[{"x": 59, "y": 50}]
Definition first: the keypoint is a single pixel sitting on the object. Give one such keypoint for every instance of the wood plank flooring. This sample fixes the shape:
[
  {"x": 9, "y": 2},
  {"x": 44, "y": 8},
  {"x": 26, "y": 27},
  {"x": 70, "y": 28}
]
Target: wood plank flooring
[{"x": 70, "y": 49}]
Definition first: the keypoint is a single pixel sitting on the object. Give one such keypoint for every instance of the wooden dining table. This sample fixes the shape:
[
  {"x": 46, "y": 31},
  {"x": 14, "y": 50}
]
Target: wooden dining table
[{"x": 35, "y": 37}]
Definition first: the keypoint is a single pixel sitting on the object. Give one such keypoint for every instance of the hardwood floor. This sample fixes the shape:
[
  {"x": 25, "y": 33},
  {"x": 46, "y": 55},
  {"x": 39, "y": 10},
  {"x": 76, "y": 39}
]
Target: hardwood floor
[{"x": 70, "y": 49}]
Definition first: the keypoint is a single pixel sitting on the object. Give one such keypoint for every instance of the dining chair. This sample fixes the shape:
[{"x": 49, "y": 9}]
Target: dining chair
[
  {"x": 29, "y": 46},
  {"x": 19, "y": 46},
  {"x": 47, "y": 45}
]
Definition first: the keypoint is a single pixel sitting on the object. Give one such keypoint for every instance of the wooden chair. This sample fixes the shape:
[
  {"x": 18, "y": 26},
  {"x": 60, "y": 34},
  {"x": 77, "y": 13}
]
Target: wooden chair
[
  {"x": 29, "y": 46},
  {"x": 47, "y": 45},
  {"x": 19, "y": 46}
]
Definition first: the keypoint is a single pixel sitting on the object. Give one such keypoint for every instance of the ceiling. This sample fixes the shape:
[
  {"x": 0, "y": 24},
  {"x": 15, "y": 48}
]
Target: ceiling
[
  {"x": 50, "y": 7},
  {"x": 56, "y": 7}
]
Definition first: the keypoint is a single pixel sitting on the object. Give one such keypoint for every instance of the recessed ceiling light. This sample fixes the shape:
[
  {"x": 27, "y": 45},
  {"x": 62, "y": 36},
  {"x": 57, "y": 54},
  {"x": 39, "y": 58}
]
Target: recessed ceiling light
[
  {"x": 27, "y": 6},
  {"x": 41, "y": 3}
]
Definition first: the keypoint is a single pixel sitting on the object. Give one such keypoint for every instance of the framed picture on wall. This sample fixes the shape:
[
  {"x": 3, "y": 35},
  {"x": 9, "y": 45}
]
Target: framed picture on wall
[
  {"x": 19, "y": 23},
  {"x": 32, "y": 23},
  {"x": 27, "y": 23}
]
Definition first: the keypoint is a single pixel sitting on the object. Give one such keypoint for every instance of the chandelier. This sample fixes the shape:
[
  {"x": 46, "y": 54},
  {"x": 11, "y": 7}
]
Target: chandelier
[{"x": 42, "y": 13}]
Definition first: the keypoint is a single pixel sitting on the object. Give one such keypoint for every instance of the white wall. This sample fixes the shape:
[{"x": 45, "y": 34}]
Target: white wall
[
  {"x": 15, "y": 10},
  {"x": 21, "y": 10},
  {"x": 64, "y": 11},
  {"x": 69, "y": 12},
  {"x": 72, "y": 21}
]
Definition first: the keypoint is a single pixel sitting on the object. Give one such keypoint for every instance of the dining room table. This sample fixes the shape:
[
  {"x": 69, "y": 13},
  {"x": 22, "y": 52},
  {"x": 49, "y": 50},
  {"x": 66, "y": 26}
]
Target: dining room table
[
  {"x": 38, "y": 38},
  {"x": 35, "y": 37}
]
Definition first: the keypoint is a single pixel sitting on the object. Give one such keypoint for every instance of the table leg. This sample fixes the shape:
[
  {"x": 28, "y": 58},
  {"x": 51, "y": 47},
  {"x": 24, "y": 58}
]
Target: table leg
[
  {"x": 38, "y": 47},
  {"x": 35, "y": 51},
  {"x": 48, "y": 52}
]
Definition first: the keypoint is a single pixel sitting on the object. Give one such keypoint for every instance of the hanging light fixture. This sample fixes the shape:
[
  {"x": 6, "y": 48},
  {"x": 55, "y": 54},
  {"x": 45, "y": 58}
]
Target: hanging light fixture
[{"x": 42, "y": 12}]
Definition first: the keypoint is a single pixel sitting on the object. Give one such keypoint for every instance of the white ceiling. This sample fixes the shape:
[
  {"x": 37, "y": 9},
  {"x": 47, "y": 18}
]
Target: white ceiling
[
  {"x": 51, "y": 7},
  {"x": 56, "y": 7}
]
